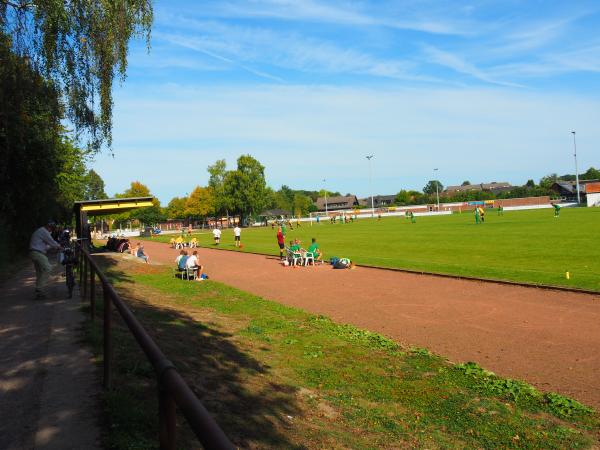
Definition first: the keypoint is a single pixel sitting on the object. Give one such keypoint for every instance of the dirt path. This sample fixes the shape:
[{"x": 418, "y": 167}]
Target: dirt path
[
  {"x": 48, "y": 382},
  {"x": 549, "y": 338}
]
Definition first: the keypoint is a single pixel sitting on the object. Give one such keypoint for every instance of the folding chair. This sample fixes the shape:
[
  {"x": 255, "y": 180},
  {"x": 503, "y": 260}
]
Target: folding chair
[
  {"x": 191, "y": 273},
  {"x": 309, "y": 257}
]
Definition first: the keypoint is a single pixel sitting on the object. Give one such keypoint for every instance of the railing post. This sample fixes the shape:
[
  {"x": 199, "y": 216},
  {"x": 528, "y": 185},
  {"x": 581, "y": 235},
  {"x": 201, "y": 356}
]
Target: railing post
[
  {"x": 107, "y": 339},
  {"x": 85, "y": 273},
  {"x": 92, "y": 292},
  {"x": 167, "y": 419},
  {"x": 80, "y": 265}
]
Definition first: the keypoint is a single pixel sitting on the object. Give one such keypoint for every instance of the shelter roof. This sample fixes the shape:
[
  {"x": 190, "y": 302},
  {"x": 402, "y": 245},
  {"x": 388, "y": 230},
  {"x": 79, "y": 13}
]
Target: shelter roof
[{"x": 111, "y": 205}]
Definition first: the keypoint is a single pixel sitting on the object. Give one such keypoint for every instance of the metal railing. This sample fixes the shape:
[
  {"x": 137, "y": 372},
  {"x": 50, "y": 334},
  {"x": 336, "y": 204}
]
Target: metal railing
[{"x": 173, "y": 391}]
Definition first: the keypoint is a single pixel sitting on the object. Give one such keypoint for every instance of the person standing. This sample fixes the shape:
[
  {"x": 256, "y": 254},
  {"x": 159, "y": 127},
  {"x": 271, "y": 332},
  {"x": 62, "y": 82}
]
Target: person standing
[
  {"x": 412, "y": 217},
  {"x": 237, "y": 233},
  {"x": 217, "y": 235},
  {"x": 280, "y": 242},
  {"x": 476, "y": 214},
  {"x": 41, "y": 241}
]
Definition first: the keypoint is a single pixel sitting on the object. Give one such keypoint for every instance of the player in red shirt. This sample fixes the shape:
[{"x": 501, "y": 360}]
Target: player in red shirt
[{"x": 280, "y": 241}]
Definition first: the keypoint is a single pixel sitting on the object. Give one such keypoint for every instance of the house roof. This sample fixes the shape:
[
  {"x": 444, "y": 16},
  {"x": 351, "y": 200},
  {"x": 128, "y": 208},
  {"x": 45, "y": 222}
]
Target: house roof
[
  {"x": 493, "y": 186},
  {"x": 571, "y": 186},
  {"x": 274, "y": 213},
  {"x": 347, "y": 201}
]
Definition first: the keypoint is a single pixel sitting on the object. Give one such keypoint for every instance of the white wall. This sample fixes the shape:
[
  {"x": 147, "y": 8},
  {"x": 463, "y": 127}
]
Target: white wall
[{"x": 593, "y": 199}]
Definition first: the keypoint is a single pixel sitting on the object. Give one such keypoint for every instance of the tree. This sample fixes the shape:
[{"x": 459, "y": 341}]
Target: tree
[
  {"x": 403, "y": 197},
  {"x": 136, "y": 189},
  {"x": 79, "y": 47},
  {"x": 466, "y": 183},
  {"x": 94, "y": 186},
  {"x": 530, "y": 183},
  {"x": 430, "y": 187},
  {"x": 176, "y": 208},
  {"x": 217, "y": 182},
  {"x": 31, "y": 140},
  {"x": 591, "y": 174},
  {"x": 200, "y": 203},
  {"x": 548, "y": 180},
  {"x": 147, "y": 215},
  {"x": 245, "y": 187},
  {"x": 302, "y": 204},
  {"x": 70, "y": 179}
]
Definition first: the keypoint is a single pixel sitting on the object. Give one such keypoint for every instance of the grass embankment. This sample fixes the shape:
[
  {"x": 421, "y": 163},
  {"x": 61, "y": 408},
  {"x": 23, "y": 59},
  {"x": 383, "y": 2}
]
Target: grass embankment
[
  {"x": 525, "y": 246},
  {"x": 278, "y": 377}
]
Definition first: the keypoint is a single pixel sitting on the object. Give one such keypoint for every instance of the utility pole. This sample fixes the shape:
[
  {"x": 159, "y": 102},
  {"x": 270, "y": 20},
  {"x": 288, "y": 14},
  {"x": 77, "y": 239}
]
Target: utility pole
[
  {"x": 576, "y": 169},
  {"x": 437, "y": 192},
  {"x": 325, "y": 189},
  {"x": 369, "y": 157}
]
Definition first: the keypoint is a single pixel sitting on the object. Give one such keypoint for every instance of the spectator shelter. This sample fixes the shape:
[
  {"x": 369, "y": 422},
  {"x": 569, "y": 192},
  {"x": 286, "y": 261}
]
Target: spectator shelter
[
  {"x": 108, "y": 206},
  {"x": 568, "y": 189},
  {"x": 273, "y": 214}
]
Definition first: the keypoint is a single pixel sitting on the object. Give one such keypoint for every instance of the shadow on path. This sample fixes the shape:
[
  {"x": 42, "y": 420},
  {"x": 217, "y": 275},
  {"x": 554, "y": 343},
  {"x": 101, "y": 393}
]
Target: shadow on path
[{"x": 48, "y": 385}]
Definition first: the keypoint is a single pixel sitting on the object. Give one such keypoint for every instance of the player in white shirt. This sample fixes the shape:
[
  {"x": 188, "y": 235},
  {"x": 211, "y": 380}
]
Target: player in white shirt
[
  {"x": 192, "y": 263},
  {"x": 217, "y": 236},
  {"x": 41, "y": 241},
  {"x": 237, "y": 232}
]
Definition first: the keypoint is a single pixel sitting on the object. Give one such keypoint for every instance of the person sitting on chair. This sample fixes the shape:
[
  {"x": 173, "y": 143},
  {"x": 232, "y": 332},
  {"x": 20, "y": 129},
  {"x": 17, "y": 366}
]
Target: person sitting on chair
[
  {"x": 315, "y": 250},
  {"x": 192, "y": 263},
  {"x": 181, "y": 260}
]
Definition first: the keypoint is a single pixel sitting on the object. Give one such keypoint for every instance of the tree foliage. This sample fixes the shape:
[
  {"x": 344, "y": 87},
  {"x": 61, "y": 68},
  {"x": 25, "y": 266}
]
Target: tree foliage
[
  {"x": 94, "y": 186},
  {"x": 430, "y": 187},
  {"x": 176, "y": 208},
  {"x": 30, "y": 150},
  {"x": 79, "y": 47},
  {"x": 216, "y": 181},
  {"x": 245, "y": 187},
  {"x": 200, "y": 203}
]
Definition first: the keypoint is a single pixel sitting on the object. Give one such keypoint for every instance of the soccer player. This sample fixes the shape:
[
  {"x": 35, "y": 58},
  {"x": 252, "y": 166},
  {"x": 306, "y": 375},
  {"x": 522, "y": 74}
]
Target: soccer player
[
  {"x": 315, "y": 250},
  {"x": 280, "y": 242},
  {"x": 476, "y": 214},
  {"x": 237, "y": 233},
  {"x": 556, "y": 207}
]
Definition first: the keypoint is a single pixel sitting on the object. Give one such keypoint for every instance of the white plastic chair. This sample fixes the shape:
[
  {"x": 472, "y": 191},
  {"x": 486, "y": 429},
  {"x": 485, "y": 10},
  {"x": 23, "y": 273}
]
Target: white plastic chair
[{"x": 309, "y": 257}]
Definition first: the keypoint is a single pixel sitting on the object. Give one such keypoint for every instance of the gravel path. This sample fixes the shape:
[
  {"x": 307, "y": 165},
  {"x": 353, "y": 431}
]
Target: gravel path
[{"x": 548, "y": 338}]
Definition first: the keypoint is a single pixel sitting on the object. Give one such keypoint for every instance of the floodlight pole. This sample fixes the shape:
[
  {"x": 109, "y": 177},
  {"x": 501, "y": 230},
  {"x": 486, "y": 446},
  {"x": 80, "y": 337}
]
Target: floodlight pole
[
  {"x": 325, "y": 189},
  {"x": 437, "y": 193},
  {"x": 576, "y": 169},
  {"x": 369, "y": 157}
]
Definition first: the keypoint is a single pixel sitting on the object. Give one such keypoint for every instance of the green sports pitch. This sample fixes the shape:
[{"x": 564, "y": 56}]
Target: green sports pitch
[{"x": 526, "y": 246}]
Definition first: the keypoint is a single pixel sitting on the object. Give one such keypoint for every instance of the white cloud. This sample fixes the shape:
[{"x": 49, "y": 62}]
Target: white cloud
[
  {"x": 458, "y": 64},
  {"x": 322, "y": 131}
]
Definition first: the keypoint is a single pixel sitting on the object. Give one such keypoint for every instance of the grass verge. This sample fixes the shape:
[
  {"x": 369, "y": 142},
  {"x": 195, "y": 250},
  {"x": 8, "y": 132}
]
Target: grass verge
[{"x": 278, "y": 377}]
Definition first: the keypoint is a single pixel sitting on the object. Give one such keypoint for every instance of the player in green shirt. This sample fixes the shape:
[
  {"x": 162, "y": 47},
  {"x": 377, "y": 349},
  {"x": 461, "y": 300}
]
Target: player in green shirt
[
  {"x": 314, "y": 249},
  {"x": 556, "y": 209}
]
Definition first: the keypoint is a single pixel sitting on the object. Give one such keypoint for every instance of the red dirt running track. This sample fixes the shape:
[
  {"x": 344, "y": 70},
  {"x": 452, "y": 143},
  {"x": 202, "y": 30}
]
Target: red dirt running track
[{"x": 548, "y": 338}]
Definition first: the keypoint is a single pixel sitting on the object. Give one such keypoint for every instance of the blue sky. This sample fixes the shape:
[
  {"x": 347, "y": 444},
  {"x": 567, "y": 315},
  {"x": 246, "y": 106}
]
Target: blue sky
[{"x": 482, "y": 90}]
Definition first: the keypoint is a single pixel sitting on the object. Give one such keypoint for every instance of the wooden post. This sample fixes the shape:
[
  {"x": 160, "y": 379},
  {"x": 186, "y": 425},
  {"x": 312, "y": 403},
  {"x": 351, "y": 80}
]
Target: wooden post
[
  {"x": 92, "y": 293},
  {"x": 107, "y": 340},
  {"x": 167, "y": 420}
]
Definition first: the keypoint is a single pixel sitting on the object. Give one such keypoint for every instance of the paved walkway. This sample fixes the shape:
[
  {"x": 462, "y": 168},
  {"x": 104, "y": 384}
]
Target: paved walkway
[{"x": 48, "y": 382}]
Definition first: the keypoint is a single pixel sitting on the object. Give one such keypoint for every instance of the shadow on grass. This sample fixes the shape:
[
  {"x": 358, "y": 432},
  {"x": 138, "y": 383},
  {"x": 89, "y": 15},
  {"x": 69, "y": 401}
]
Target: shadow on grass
[{"x": 231, "y": 384}]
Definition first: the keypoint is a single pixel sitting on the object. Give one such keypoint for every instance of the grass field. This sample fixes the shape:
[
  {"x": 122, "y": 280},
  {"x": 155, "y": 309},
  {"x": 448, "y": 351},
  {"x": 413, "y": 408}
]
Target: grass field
[
  {"x": 278, "y": 377},
  {"x": 526, "y": 246}
]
